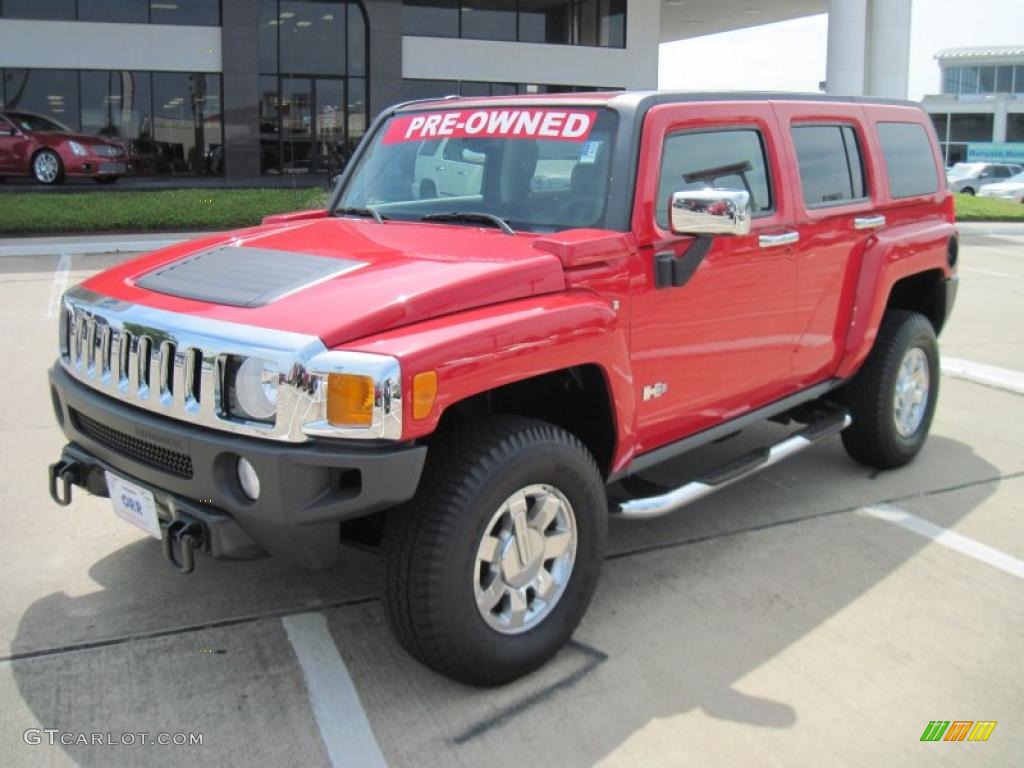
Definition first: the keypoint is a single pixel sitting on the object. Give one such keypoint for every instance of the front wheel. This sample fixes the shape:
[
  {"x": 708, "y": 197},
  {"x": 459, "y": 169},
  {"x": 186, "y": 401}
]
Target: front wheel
[
  {"x": 47, "y": 167},
  {"x": 892, "y": 398},
  {"x": 968, "y": 191},
  {"x": 491, "y": 567}
]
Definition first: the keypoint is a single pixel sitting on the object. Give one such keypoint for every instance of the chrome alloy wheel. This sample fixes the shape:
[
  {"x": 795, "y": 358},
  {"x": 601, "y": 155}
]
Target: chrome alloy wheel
[
  {"x": 911, "y": 396},
  {"x": 525, "y": 559},
  {"x": 46, "y": 167}
]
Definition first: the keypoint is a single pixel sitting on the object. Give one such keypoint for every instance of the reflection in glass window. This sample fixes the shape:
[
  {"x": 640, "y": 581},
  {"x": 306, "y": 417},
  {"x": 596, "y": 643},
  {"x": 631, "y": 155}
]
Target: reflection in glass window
[
  {"x": 51, "y": 93},
  {"x": 310, "y": 35},
  {"x": 725, "y": 159},
  {"x": 970, "y": 127},
  {"x": 489, "y": 19},
  {"x": 187, "y": 123},
  {"x": 908, "y": 159},
  {"x": 356, "y": 111},
  {"x": 133, "y": 11},
  {"x": 39, "y": 9},
  {"x": 1015, "y": 126},
  {"x": 118, "y": 105},
  {"x": 197, "y": 12},
  {"x": 829, "y": 161},
  {"x": 270, "y": 158},
  {"x": 356, "y": 40},
  {"x": 433, "y": 18}
]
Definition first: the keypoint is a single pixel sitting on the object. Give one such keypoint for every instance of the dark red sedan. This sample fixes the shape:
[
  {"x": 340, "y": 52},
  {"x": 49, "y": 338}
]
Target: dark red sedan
[{"x": 33, "y": 145}]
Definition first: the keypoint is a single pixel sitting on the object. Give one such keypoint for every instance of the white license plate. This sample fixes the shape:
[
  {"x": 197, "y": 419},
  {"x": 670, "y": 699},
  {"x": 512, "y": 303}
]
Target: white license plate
[{"x": 134, "y": 504}]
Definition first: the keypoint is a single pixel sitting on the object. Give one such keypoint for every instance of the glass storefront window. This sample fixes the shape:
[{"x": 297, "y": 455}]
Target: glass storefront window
[
  {"x": 489, "y": 19},
  {"x": 312, "y": 59},
  {"x": 52, "y": 93},
  {"x": 941, "y": 123},
  {"x": 1004, "y": 79},
  {"x": 1018, "y": 79},
  {"x": 310, "y": 35},
  {"x": 205, "y": 13},
  {"x": 432, "y": 18},
  {"x": 190, "y": 12},
  {"x": 63, "y": 10},
  {"x": 118, "y": 105},
  {"x": 970, "y": 127},
  {"x": 613, "y": 23},
  {"x": 1015, "y": 126},
  {"x": 134, "y": 11},
  {"x": 187, "y": 122},
  {"x": 545, "y": 21}
]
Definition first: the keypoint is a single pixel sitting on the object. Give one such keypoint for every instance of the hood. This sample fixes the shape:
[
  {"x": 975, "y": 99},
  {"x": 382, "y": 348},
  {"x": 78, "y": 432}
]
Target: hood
[{"x": 337, "y": 278}]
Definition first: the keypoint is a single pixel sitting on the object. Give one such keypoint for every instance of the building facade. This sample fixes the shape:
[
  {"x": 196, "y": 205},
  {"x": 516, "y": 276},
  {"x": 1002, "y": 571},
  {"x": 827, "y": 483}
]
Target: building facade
[
  {"x": 244, "y": 88},
  {"x": 981, "y": 107}
]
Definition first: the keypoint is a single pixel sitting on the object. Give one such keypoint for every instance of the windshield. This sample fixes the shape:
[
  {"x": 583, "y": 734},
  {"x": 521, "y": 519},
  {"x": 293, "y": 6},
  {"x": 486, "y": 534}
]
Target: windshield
[
  {"x": 36, "y": 123},
  {"x": 964, "y": 169},
  {"x": 538, "y": 169}
]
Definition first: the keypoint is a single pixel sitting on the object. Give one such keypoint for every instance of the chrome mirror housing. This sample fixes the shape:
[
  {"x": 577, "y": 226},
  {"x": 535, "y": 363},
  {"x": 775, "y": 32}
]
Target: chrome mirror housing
[{"x": 710, "y": 212}]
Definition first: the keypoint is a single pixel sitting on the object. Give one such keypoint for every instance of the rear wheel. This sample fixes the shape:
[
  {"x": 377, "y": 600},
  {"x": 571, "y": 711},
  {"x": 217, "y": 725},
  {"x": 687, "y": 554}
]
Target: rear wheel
[
  {"x": 968, "y": 190},
  {"x": 428, "y": 190},
  {"x": 47, "y": 167},
  {"x": 892, "y": 398},
  {"x": 491, "y": 567}
]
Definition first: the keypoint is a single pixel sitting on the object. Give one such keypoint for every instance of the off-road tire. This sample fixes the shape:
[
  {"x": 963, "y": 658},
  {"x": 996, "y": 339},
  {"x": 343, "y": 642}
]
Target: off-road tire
[
  {"x": 873, "y": 438},
  {"x": 431, "y": 547}
]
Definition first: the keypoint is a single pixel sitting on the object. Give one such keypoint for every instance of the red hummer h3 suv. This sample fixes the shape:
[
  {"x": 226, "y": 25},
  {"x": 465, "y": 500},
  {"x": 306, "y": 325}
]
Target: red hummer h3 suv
[{"x": 457, "y": 372}]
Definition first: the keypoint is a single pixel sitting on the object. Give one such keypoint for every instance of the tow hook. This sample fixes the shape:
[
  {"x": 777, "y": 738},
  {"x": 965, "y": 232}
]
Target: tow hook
[
  {"x": 181, "y": 538},
  {"x": 67, "y": 473}
]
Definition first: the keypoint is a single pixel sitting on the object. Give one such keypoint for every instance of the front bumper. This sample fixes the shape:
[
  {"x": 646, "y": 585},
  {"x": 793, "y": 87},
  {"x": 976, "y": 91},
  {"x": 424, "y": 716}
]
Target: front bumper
[{"x": 306, "y": 489}]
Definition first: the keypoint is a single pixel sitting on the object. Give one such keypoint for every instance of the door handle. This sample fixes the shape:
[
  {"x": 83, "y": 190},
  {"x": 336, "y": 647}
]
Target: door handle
[
  {"x": 438, "y": 167},
  {"x": 776, "y": 241},
  {"x": 869, "y": 222},
  {"x": 461, "y": 173}
]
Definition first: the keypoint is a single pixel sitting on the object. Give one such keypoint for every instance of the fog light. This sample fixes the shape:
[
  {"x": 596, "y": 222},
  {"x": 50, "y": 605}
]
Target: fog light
[{"x": 248, "y": 479}]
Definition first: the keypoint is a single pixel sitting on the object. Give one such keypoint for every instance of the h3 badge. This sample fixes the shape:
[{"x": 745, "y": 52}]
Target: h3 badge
[{"x": 657, "y": 389}]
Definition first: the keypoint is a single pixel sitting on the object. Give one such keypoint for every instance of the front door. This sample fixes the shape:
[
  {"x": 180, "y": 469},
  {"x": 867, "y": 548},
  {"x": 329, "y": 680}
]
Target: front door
[
  {"x": 719, "y": 344},
  {"x": 10, "y": 146}
]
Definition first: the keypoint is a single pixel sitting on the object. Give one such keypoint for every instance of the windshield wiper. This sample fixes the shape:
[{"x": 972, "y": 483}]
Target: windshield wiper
[
  {"x": 367, "y": 211},
  {"x": 472, "y": 217}
]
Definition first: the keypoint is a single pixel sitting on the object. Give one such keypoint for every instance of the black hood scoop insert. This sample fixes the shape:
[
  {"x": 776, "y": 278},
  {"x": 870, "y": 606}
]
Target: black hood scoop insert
[{"x": 240, "y": 276}]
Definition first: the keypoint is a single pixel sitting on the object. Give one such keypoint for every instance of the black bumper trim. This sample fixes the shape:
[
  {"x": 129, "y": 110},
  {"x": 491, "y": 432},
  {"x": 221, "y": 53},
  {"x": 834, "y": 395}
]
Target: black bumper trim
[{"x": 306, "y": 490}]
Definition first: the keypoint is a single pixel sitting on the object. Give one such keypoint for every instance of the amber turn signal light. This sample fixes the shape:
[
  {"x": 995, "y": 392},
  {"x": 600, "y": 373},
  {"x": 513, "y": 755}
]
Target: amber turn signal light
[
  {"x": 424, "y": 392},
  {"x": 349, "y": 400}
]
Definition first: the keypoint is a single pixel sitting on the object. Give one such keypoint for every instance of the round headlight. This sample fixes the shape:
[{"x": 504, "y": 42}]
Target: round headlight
[
  {"x": 256, "y": 389},
  {"x": 248, "y": 479}
]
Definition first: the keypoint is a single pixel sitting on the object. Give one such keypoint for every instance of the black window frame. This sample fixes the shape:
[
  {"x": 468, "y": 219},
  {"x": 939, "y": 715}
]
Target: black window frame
[
  {"x": 858, "y": 143},
  {"x": 769, "y": 173}
]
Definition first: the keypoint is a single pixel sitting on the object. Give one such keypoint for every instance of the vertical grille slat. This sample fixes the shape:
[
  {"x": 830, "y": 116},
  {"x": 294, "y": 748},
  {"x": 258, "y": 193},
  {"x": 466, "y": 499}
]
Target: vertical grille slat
[
  {"x": 192, "y": 378},
  {"x": 168, "y": 352},
  {"x": 64, "y": 333},
  {"x": 143, "y": 365},
  {"x": 124, "y": 360},
  {"x": 105, "y": 344},
  {"x": 80, "y": 331}
]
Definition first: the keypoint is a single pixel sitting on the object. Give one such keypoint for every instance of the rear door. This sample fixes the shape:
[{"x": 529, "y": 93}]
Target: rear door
[
  {"x": 718, "y": 344},
  {"x": 832, "y": 182}
]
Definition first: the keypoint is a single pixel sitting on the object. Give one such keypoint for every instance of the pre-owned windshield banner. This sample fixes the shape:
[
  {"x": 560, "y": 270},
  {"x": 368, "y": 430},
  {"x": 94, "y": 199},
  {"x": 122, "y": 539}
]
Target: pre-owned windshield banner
[{"x": 502, "y": 123}]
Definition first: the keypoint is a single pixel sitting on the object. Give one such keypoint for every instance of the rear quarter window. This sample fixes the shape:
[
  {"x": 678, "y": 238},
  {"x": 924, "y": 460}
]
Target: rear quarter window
[{"x": 908, "y": 159}]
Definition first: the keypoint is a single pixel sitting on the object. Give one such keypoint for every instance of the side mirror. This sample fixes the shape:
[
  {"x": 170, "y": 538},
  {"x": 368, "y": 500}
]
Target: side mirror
[{"x": 710, "y": 212}]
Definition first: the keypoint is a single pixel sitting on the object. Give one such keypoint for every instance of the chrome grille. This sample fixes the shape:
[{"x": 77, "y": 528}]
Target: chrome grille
[
  {"x": 105, "y": 150},
  {"x": 140, "y": 367}
]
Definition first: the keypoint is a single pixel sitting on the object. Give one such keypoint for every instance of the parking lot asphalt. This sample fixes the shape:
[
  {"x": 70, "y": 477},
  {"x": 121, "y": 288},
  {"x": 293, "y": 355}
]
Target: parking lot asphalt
[{"x": 818, "y": 613}]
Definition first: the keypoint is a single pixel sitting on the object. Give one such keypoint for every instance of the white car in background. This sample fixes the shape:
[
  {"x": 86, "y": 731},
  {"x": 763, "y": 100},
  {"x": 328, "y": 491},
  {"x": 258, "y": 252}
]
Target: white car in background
[
  {"x": 1010, "y": 189},
  {"x": 968, "y": 178}
]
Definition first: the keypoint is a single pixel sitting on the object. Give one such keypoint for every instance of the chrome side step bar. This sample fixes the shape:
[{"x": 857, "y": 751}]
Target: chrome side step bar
[{"x": 755, "y": 461}]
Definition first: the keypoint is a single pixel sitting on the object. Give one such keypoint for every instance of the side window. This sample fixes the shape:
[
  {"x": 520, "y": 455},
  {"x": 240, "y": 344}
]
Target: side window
[
  {"x": 722, "y": 159},
  {"x": 908, "y": 159},
  {"x": 830, "y": 164},
  {"x": 1001, "y": 171}
]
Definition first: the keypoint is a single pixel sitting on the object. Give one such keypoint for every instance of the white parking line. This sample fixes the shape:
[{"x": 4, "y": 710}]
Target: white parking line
[
  {"x": 980, "y": 373},
  {"x": 989, "y": 272},
  {"x": 946, "y": 538},
  {"x": 60, "y": 283},
  {"x": 344, "y": 727}
]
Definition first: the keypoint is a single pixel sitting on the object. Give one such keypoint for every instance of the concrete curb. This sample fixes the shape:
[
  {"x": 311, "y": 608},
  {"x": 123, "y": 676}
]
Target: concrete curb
[{"x": 83, "y": 247}]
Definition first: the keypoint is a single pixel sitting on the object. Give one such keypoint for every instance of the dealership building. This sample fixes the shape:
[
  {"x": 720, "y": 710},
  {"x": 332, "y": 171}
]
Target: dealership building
[
  {"x": 244, "y": 88},
  {"x": 979, "y": 115}
]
